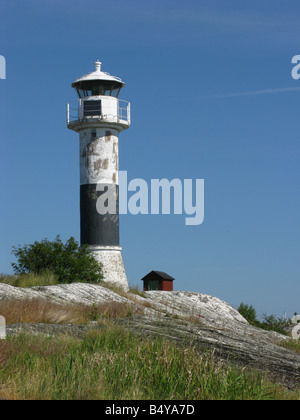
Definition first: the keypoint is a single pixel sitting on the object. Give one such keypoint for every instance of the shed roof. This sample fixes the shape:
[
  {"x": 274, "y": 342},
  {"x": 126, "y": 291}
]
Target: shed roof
[{"x": 160, "y": 274}]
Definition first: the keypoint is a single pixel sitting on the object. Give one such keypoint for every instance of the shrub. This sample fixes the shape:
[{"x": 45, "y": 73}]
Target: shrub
[
  {"x": 248, "y": 312},
  {"x": 269, "y": 323},
  {"x": 273, "y": 323},
  {"x": 69, "y": 262}
]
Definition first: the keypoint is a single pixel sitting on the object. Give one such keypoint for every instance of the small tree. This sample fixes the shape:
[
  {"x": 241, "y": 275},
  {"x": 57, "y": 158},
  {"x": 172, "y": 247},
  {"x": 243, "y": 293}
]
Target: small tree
[
  {"x": 248, "y": 312},
  {"x": 69, "y": 262},
  {"x": 273, "y": 323},
  {"x": 270, "y": 322}
]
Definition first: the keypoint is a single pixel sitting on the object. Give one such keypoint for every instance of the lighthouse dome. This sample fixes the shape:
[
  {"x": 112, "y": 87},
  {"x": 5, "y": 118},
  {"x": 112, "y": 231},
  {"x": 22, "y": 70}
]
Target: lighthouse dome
[{"x": 98, "y": 83}]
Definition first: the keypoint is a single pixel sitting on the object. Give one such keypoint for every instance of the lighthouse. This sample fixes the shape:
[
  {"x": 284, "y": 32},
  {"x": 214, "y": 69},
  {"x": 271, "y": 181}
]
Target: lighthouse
[{"x": 98, "y": 115}]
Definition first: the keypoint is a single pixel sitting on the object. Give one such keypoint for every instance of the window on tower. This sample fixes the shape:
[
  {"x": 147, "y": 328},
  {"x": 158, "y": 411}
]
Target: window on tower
[
  {"x": 100, "y": 90},
  {"x": 92, "y": 108}
]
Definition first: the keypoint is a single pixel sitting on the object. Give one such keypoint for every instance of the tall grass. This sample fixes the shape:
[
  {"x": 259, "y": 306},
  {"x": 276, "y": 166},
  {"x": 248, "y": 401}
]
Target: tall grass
[
  {"x": 291, "y": 344},
  {"x": 29, "y": 280},
  {"x": 44, "y": 311},
  {"x": 113, "y": 363}
]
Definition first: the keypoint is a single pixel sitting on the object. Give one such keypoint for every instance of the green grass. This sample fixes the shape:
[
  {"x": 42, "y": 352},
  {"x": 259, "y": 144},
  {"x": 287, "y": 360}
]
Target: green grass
[
  {"x": 136, "y": 291},
  {"x": 47, "y": 312},
  {"x": 115, "y": 364},
  {"x": 29, "y": 280},
  {"x": 112, "y": 363},
  {"x": 291, "y": 344}
]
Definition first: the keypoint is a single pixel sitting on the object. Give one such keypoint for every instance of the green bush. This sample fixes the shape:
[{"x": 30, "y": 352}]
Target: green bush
[
  {"x": 273, "y": 323},
  {"x": 248, "y": 312},
  {"x": 69, "y": 262},
  {"x": 270, "y": 322}
]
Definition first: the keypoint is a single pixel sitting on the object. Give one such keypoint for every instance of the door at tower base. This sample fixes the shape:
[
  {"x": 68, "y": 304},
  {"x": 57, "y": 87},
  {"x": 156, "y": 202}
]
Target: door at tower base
[{"x": 113, "y": 270}]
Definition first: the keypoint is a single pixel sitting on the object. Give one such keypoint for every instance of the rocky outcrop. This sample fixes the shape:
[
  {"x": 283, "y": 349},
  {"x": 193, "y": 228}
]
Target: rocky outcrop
[
  {"x": 209, "y": 309},
  {"x": 206, "y": 321},
  {"x": 63, "y": 293}
]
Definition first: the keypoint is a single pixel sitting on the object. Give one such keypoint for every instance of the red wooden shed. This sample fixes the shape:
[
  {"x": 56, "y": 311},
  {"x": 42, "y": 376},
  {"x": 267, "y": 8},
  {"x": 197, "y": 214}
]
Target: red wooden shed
[{"x": 158, "y": 280}]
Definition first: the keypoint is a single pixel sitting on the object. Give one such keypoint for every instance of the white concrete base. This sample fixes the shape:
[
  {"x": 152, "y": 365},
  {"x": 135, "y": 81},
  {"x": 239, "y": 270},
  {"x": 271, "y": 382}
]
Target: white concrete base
[{"x": 112, "y": 265}]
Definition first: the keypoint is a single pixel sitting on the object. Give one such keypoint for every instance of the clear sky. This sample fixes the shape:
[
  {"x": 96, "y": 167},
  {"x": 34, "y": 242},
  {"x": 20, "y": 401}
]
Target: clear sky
[{"x": 212, "y": 98}]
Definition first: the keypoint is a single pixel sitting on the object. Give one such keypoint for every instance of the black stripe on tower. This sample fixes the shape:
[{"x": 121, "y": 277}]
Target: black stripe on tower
[{"x": 97, "y": 229}]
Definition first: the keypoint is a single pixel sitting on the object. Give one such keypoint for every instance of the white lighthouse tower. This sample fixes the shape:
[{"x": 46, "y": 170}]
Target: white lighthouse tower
[{"x": 99, "y": 116}]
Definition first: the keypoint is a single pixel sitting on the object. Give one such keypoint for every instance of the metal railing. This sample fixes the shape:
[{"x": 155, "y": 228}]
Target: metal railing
[{"x": 119, "y": 111}]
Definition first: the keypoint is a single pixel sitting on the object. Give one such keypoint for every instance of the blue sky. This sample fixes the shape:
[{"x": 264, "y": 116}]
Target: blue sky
[{"x": 212, "y": 98}]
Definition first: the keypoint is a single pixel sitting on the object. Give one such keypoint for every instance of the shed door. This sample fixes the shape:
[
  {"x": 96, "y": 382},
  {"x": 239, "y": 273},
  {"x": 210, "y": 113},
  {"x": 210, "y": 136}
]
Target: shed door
[{"x": 152, "y": 284}]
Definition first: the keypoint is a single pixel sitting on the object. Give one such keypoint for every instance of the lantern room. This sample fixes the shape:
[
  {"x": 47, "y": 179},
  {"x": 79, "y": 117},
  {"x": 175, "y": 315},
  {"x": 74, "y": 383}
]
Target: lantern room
[
  {"x": 98, "y": 83},
  {"x": 158, "y": 280},
  {"x": 98, "y": 100}
]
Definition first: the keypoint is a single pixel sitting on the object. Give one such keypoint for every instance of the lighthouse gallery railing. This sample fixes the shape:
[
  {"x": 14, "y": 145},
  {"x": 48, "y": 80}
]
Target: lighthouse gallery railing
[{"x": 109, "y": 112}]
